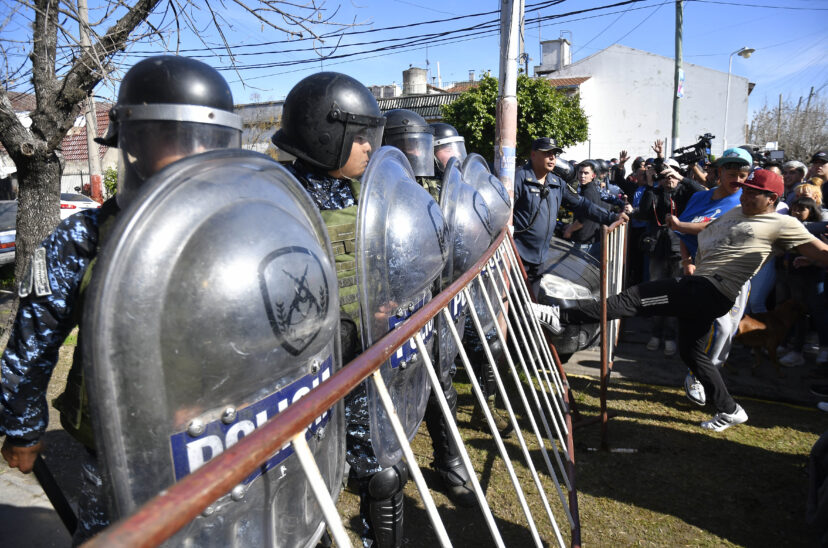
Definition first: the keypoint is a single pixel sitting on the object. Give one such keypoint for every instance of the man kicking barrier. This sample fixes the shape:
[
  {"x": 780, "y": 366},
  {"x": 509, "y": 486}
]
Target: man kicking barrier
[{"x": 731, "y": 250}]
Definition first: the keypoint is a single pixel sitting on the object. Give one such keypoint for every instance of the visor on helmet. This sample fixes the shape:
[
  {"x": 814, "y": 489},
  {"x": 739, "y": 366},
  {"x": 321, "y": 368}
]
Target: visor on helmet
[
  {"x": 147, "y": 146},
  {"x": 451, "y": 147},
  {"x": 417, "y": 148}
]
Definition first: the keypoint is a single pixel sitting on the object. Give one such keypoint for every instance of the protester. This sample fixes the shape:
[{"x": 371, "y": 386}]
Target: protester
[{"x": 731, "y": 250}]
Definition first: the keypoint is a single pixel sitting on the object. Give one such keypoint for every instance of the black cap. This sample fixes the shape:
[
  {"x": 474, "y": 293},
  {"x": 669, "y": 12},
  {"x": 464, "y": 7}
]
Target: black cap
[
  {"x": 545, "y": 144},
  {"x": 821, "y": 156}
]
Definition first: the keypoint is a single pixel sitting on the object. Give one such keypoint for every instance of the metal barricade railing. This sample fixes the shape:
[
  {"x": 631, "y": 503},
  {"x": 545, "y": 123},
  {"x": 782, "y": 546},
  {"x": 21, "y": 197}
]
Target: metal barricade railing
[
  {"x": 613, "y": 252},
  {"x": 543, "y": 382}
]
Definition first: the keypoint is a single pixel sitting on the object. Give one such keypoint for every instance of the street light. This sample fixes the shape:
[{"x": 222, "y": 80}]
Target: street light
[{"x": 741, "y": 52}]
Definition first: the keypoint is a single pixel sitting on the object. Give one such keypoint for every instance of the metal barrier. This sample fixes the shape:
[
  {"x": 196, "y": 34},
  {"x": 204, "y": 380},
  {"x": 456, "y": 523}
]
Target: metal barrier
[
  {"x": 613, "y": 252},
  {"x": 540, "y": 377}
]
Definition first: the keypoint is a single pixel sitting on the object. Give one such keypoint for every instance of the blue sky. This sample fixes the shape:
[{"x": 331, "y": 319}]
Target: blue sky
[
  {"x": 790, "y": 39},
  {"x": 791, "y": 44}
]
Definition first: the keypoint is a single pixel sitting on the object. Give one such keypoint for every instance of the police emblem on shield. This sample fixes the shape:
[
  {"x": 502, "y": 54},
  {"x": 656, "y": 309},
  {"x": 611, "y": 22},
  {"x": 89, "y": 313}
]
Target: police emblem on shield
[
  {"x": 295, "y": 293},
  {"x": 483, "y": 213}
]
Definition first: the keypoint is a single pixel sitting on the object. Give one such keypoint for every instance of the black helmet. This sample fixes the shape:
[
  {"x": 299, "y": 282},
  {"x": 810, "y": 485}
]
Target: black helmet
[
  {"x": 323, "y": 114},
  {"x": 171, "y": 80},
  {"x": 565, "y": 170},
  {"x": 168, "y": 107},
  {"x": 447, "y": 143},
  {"x": 603, "y": 166},
  {"x": 409, "y": 132}
]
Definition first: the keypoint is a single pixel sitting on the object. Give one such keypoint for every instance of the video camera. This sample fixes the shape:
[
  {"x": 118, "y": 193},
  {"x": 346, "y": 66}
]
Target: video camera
[{"x": 694, "y": 153}]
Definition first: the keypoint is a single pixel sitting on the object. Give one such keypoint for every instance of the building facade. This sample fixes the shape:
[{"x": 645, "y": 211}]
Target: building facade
[{"x": 627, "y": 95}]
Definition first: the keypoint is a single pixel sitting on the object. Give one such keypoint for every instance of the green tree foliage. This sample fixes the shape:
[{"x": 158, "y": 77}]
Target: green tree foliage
[
  {"x": 542, "y": 112},
  {"x": 110, "y": 181}
]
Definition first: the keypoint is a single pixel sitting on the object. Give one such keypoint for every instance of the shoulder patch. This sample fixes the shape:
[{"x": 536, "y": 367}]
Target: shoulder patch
[
  {"x": 25, "y": 287},
  {"x": 39, "y": 274}
]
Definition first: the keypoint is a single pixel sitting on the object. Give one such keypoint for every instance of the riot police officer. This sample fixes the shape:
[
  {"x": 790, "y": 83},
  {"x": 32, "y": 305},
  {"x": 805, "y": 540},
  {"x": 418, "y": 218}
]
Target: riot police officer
[
  {"x": 168, "y": 107},
  {"x": 448, "y": 143},
  {"x": 409, "y": 132},
  {"x": 332, "y": 124}
]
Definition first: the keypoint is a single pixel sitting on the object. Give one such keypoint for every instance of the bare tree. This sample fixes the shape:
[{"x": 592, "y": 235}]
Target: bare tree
[
  {"x": 800, "y": 127},
  {"x": 62, "y": 74}
]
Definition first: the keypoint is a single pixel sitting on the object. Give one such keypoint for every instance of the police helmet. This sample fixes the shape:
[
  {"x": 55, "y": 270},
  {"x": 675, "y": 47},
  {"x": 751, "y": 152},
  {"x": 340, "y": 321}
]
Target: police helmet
[
  {"x": 322, "y": 116},
  {"x": 409, "y": 132},
  {"x": 168, "y": 107},
  {"x": 448, "y": 143},
  {"x": 566, "y": 170}
]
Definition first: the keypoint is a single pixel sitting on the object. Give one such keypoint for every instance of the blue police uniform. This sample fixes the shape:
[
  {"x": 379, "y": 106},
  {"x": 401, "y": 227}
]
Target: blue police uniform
[
  {"x": 51, "y": 304},
  {"x": 536, "y": 211}
]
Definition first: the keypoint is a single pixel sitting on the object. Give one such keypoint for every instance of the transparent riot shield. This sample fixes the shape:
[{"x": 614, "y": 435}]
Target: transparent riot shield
[
  {"x": 476, "y": 173},
  {"x": 401, "y": 250},
  {"x": 212, "y": 308},
  {"x": 470, "y": 233}
]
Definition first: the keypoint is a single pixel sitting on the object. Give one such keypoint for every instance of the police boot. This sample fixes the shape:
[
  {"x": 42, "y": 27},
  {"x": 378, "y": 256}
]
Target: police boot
[
  {"x": 488, "y": 385},
  {"x": 447, "y": 460},
  {"x": 385, "y": 505}
]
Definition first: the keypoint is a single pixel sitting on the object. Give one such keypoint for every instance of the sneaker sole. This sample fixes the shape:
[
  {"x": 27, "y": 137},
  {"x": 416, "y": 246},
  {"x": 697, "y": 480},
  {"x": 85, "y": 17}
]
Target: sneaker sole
[{"x": 694, "y": 400}]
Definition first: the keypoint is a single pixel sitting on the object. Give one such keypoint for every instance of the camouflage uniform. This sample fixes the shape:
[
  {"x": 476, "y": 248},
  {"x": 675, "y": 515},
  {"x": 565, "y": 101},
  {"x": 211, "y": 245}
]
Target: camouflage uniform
[
  {"x": 331, "y": 194},
  {"x": 51, "y": 304}
]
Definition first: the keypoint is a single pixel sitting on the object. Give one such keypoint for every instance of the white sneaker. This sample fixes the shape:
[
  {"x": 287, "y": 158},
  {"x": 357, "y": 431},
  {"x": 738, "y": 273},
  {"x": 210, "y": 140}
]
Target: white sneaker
[
  {"x": 653, "y": 343},
  {"x": 549, "y": 315},
  {"x": 823, "y": 406},
  {"x": 792, "y": 359},
  {"x": 822, "y": 357},
  {"x": 669, "y": 348},
  {"x": 694, "y": 390},
  {"x": 723, "y": 421}
]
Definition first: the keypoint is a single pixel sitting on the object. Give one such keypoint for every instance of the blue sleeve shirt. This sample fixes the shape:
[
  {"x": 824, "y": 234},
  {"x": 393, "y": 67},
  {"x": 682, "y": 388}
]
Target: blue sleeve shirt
[
  {"x": 536, "y": 211},
  {"x": 47, "y": 313},
  {"x": 702, "y": 208}
]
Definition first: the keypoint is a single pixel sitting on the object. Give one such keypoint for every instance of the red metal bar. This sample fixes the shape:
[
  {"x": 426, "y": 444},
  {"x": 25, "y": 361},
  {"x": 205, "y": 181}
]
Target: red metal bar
[{"x": 169, "y": 511}]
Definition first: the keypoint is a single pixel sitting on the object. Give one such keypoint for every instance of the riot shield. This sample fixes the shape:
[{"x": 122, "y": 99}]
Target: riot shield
[
  {"x": 401, "y": 248},
  {"x": 212, "y": 308},
  {"x": 470, "y": 233},
  {"x": 476, "y": 173}
]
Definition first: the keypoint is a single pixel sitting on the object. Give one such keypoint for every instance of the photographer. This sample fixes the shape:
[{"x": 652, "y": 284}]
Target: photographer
[{"x": 667, "y": 194}]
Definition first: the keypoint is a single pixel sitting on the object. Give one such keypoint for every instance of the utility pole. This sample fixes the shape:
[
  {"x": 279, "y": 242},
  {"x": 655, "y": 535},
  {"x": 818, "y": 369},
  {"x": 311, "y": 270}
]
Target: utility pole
[
  {"x": 779, "y": 119},
  {"x": 506, "y": 114},
  {"x": 91, "y": 115},
  {"x": 675, "y": 141}
]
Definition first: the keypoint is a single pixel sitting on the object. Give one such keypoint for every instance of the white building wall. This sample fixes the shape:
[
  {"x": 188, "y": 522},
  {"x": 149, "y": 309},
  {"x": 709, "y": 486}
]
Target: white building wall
[{"x": 629, "y": 101}]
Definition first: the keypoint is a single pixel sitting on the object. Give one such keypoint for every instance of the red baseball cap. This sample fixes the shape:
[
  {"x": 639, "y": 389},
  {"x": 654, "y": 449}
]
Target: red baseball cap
[{"x": 763, "y": 179}]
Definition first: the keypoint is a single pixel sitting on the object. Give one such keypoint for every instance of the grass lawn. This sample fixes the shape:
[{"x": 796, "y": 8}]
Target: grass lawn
[{"x": 672, "y": 484}]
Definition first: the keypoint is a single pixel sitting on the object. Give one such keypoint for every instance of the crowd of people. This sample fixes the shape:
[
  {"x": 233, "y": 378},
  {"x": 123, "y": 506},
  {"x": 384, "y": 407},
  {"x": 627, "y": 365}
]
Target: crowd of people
[{"x": 672, "y": 278}]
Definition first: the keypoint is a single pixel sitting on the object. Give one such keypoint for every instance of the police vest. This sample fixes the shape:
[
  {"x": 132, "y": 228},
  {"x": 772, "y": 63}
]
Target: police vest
[
  {"x": 432, "y": 185},
  {"x": 341, "y": 224},
  {"x": 73, "y": 403}
]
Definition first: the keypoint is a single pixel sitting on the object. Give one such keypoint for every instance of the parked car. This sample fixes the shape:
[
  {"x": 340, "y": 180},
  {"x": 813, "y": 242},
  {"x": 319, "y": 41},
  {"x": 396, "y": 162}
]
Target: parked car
[
  {"x": 571, "y": 274},
  {"x": 71, "y": 203},
  {"x": 8, "y": 231}
]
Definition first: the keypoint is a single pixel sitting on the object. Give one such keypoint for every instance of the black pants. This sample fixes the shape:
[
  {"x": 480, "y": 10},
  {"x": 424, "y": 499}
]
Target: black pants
[{"x": 693, "y": 300}]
